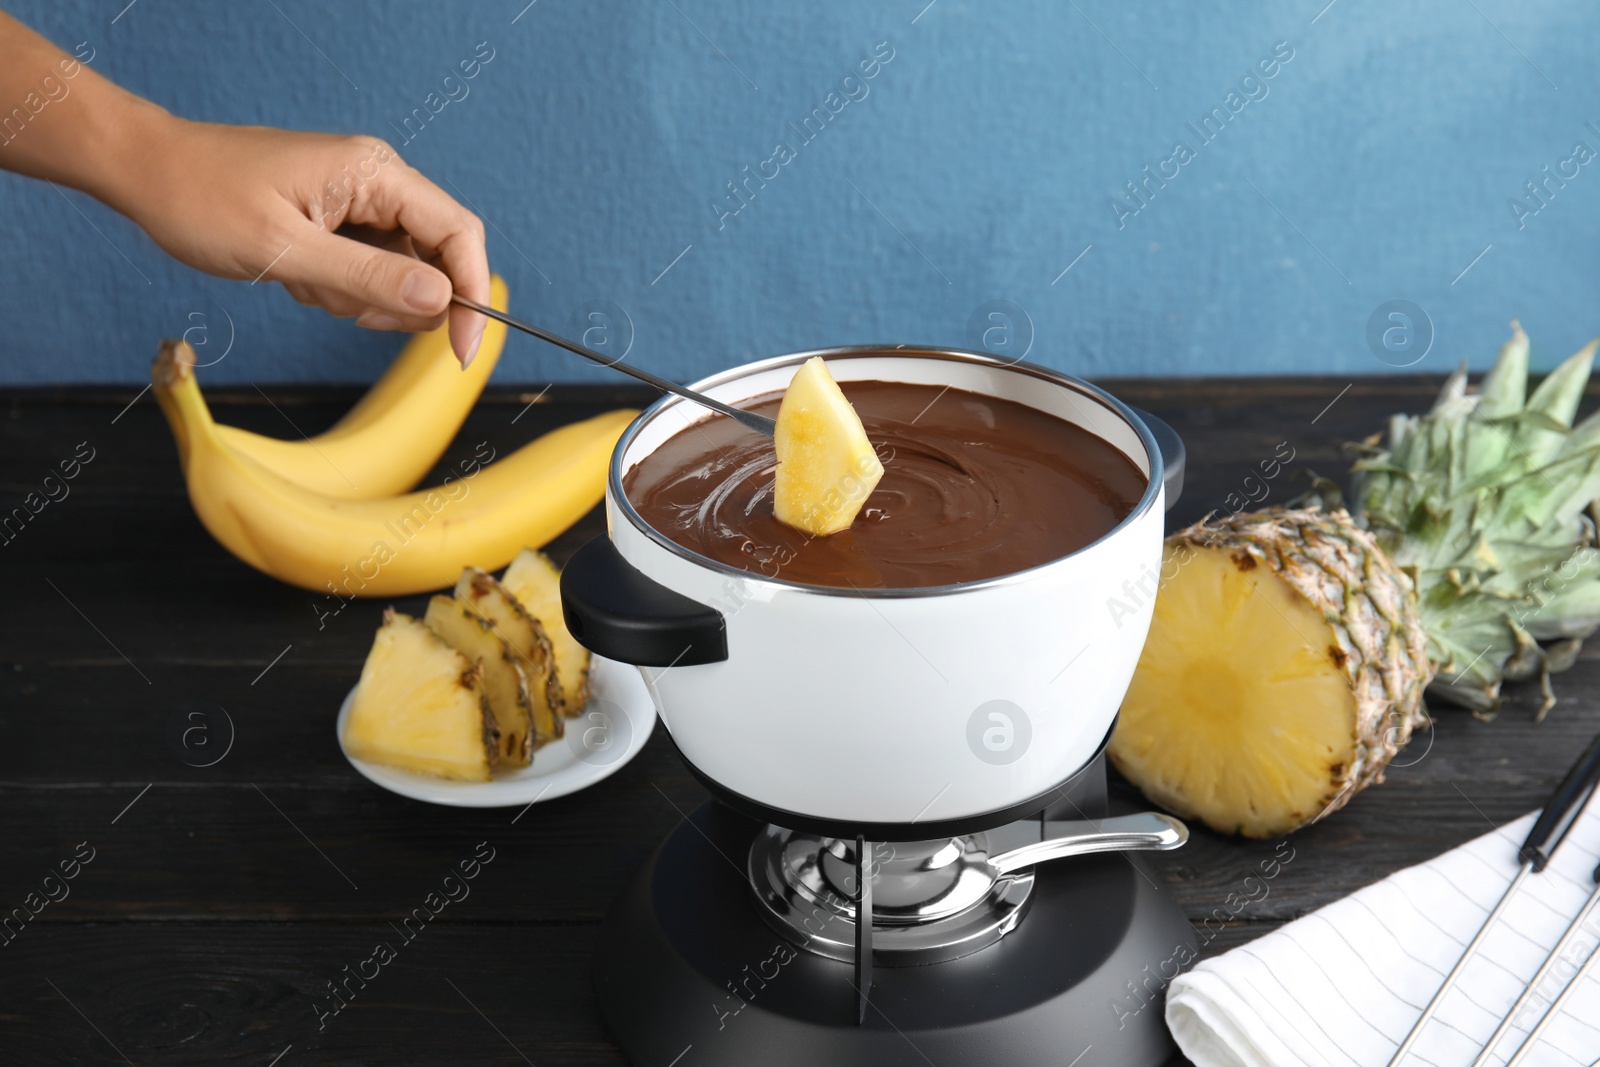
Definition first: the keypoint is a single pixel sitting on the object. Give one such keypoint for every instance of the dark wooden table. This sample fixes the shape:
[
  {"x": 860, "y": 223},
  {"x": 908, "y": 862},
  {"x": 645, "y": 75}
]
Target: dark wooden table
[{"x": 221, "y": 901}]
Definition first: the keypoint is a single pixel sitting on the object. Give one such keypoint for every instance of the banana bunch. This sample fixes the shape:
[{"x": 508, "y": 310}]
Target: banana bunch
[
  {"x": 398, "y": 430},
  {"x": 329, "y": 514}
]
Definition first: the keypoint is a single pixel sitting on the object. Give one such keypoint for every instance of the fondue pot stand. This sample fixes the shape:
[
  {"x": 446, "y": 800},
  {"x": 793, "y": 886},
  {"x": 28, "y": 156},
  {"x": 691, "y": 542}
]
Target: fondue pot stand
[{"x": 894, "y": 768}]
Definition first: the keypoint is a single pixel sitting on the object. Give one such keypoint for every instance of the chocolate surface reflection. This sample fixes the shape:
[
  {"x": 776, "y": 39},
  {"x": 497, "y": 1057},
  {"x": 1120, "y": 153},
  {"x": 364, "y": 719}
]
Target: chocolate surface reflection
[{"x": 974, "y": 487}]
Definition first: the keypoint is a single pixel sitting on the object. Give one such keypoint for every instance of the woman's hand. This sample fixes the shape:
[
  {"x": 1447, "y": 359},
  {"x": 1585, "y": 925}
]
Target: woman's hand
[{"x": 341, "y": 222}]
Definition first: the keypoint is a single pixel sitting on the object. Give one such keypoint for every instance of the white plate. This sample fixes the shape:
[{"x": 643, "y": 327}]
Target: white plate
[{"x": 614, "y": 726}]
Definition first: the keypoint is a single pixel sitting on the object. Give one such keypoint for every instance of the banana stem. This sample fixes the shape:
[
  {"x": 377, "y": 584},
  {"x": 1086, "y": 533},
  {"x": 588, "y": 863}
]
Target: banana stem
[{"x": 178, "y": 393}]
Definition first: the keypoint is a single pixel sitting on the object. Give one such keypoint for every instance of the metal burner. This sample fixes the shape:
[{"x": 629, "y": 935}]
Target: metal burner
[{"x": 931, "y": 900}]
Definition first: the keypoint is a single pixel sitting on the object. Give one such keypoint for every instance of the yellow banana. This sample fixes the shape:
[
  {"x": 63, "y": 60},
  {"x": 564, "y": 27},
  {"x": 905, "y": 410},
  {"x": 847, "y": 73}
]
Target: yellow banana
[
  {"x": 398, "y": 430},
  {"x": 481, "y": 516}
]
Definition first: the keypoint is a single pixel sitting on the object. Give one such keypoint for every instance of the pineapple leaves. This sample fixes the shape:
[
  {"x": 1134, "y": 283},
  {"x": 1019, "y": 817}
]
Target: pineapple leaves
[
  {"x": 1506, "y": 384},
  {"x": 1483, "y": 501},
  {"x": 1558, "y": 395},
  {"x": 1454, "y": 392}
]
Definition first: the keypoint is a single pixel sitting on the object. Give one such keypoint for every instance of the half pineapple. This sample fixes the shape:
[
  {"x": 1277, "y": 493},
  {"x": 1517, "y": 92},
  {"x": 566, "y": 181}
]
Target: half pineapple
[
  {"x": 1284, "y": 668},
  {"x": 1289, "y": 648},
  {"x": 421, "y": 706}
]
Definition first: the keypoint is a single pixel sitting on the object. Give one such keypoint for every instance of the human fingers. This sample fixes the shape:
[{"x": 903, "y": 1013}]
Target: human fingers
[
  {"x": 442, "y": 231},
  {"x": 387, "y": 289}
]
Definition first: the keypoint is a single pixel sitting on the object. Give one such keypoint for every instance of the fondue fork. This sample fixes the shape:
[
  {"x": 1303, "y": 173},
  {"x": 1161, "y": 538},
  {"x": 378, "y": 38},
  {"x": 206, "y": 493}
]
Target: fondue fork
[
  {"x": 1557, "y": 956},
  {"x": 1560, "y": 812},
  {"x": 1554, "y": 1010},
  {"x": 759, "y": 423}
]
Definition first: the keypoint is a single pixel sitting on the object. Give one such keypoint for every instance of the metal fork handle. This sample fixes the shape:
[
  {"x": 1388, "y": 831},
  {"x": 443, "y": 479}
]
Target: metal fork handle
[
  {"x": 759, "y": 423},
  {"x": 1579, "y": 978},
  {"x": 1556, "y": 957},
  {"x": 1147, "y": 831}
]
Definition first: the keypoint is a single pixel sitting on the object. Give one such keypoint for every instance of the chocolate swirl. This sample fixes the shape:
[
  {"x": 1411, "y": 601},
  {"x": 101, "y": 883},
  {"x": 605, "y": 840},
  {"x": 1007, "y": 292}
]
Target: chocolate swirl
[{"x": 974, "y": 487}]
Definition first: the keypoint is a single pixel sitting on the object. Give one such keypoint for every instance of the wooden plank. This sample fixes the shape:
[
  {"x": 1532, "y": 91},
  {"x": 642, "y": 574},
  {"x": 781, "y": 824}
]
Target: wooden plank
[
  {"x": 134, "y": 451},
  {"x": 1231, "y": 431},
  {"x": 98, "y": 719},
  {"x": 283, "y": 828},
  {"x": 346, "y": 850},
  {"x": 207, "y": 993},
  {"x": 221, "y": 899},
  {"x": 215, "y": 842},
  {"x": 214, "y": 994},
  {"x": 153, "y": 583}
]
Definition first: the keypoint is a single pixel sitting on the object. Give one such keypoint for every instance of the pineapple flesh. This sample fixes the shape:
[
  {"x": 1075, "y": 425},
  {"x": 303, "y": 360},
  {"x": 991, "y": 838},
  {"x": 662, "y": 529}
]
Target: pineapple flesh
[
  {"x": 488, "y": 600},
  {"x": 826, "y": 466},
  {"x": 535, "y": 582},
  {"x": 1284, "y": 668},
  {"x": 505, "y": 682},
  {"x": 421, "y": 706}
]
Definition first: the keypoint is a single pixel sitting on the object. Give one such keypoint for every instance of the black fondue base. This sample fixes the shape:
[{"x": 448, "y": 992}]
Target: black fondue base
[{"x": 687, "y": 973}]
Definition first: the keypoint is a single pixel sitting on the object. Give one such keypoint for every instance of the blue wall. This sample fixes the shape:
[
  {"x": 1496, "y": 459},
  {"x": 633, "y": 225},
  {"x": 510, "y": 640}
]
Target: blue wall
[{"x": 981, "y": 161}]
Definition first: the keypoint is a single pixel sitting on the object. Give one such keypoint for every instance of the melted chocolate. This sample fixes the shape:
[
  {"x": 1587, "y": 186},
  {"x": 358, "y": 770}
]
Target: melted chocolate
[{"x": 973, "y": 487}]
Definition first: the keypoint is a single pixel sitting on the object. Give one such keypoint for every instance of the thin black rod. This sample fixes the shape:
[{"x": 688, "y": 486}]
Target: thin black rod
[{"x": 759, "y": 423}]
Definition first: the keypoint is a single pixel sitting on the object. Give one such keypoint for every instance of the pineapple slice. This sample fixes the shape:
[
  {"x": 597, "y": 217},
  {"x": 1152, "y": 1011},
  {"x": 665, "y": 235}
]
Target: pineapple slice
[
  {"x": 505, "y": 682},
  {"x": 1283, "y": 670},
  {"x": 535, "y": 583},
  {"x": 521, "y": 632},
  {"x": 826, "y": 466},
  {"x": 420, "y": 706}
]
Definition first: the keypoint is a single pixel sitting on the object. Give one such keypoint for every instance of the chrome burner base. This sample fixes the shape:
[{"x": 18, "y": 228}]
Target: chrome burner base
[{"x": 931, "y": 900}]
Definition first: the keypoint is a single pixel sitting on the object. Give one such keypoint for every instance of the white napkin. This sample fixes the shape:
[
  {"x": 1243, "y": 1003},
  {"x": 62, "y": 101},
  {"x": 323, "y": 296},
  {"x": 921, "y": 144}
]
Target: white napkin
[{"x": 1343, "y": 986}]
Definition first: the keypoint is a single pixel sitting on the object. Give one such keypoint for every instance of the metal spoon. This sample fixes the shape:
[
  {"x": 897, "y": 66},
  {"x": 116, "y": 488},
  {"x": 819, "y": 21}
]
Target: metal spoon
[{"x": 759, "y": 423}]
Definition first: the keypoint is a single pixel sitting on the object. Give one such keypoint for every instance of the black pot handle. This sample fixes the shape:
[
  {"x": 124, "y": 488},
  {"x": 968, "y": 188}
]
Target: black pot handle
[
  {"x": 615, "y": 611},
  {"x": 1173, "y": 455}
]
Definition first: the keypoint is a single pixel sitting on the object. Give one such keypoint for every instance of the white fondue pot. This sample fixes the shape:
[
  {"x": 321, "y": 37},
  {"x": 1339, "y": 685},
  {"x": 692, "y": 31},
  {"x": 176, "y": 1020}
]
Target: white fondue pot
[{"x": 898, "y": 713}]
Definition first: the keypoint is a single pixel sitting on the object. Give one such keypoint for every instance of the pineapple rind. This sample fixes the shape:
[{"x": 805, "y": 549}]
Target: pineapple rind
[
  {"x": 535, "y": 582},
  {"x": 1370, "y": 611},
  {"x": 490, "y": 600},
  {"x": 1371, "y": 607},
  {"x": 505, "y": 682}
]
